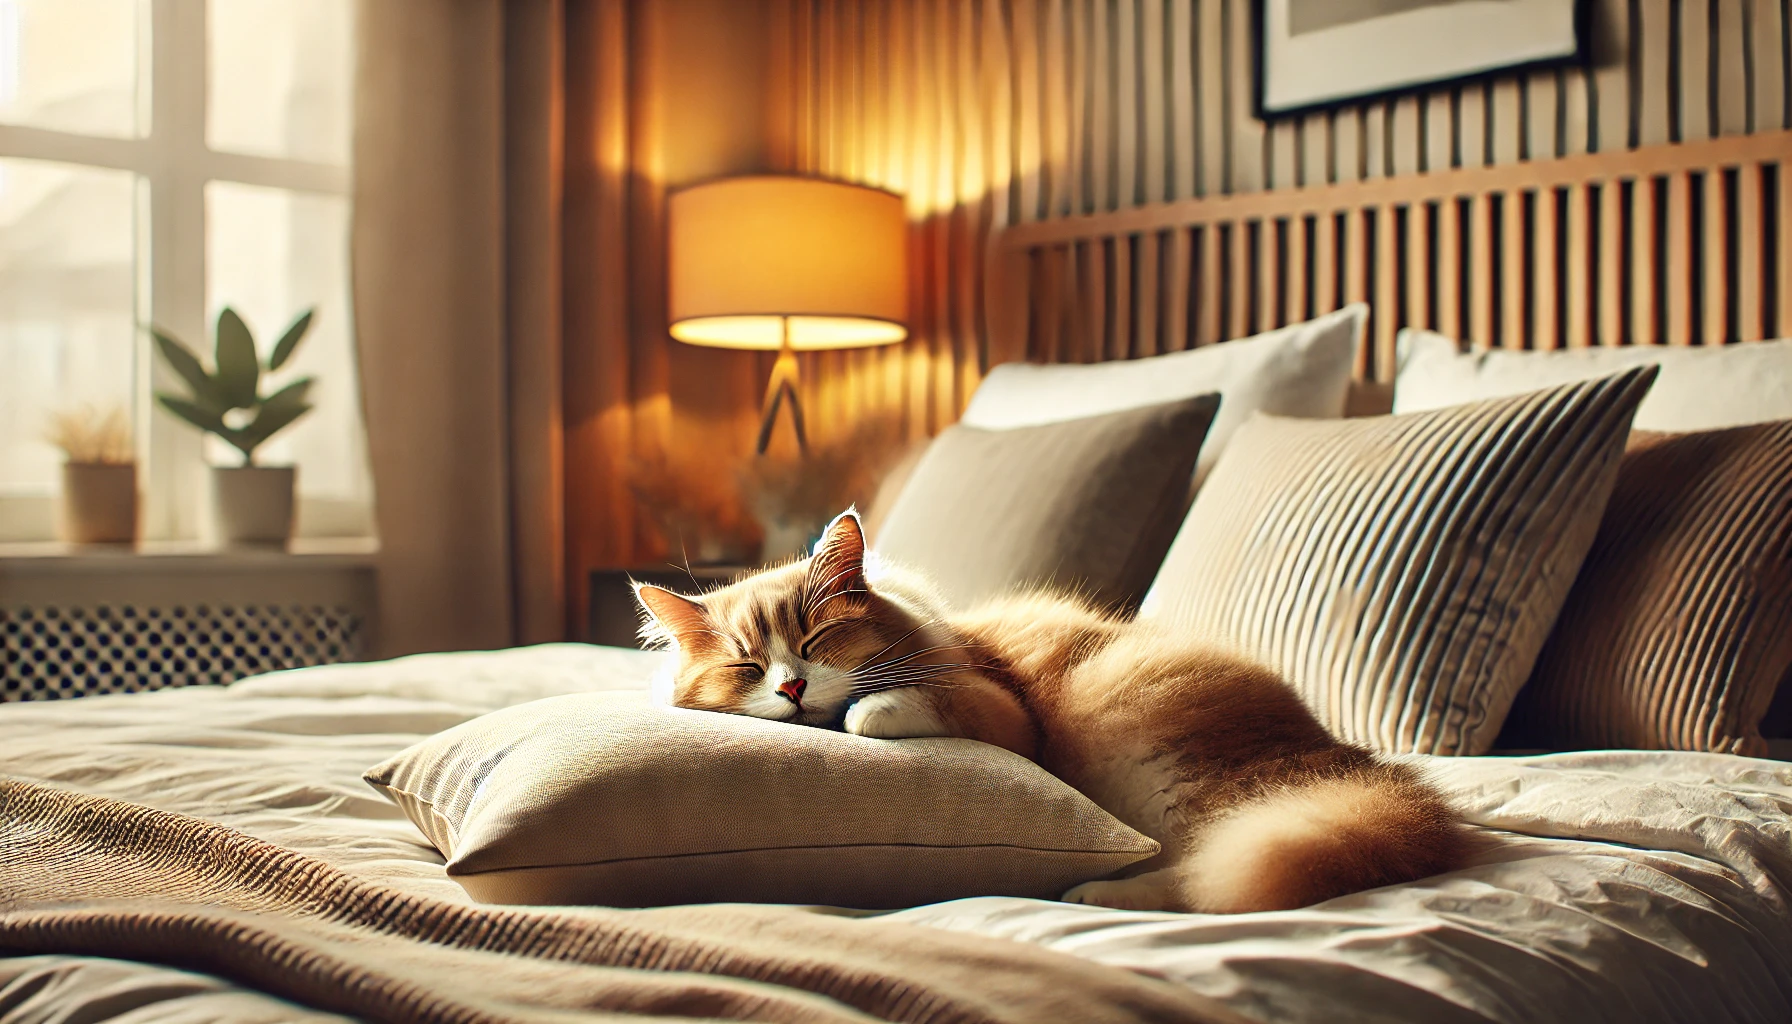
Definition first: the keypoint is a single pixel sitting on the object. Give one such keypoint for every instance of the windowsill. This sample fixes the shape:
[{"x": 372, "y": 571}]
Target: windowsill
[{"x": 56, "y": 558}]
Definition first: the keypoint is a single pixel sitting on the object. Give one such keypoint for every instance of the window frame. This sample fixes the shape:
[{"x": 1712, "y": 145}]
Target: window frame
[{"x": 172, "y": 163}]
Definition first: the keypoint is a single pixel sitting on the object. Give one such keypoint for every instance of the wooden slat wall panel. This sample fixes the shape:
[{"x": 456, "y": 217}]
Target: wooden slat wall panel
[{"x": 1101, "y": 105}]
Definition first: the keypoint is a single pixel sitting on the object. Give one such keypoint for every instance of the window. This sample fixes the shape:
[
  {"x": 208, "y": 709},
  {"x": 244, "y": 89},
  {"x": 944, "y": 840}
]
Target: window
[{"x": 159, "y": 160}]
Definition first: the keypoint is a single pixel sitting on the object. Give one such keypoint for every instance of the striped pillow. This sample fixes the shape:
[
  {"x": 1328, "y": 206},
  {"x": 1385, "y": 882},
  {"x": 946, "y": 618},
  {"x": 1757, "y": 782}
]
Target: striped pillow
[
  {"x": 1679, "y": 630},
  {"x": 1402, "y": 571}
]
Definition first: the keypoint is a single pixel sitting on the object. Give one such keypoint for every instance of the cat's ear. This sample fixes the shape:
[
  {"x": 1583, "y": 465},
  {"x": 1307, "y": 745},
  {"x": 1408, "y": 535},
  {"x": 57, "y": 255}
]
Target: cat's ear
[
  {"x": 668, "y": 617},
  {"x": 838, "y": 566}
]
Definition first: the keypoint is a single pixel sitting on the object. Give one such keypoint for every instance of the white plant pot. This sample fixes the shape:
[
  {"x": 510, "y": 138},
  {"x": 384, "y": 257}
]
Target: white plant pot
[
  {"x": 99, "y": 503},
  {"x": 252, "y": 505}
]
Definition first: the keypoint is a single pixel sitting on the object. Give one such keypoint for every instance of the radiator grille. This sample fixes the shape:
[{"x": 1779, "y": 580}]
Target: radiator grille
[{"x": 53, "y": 652}]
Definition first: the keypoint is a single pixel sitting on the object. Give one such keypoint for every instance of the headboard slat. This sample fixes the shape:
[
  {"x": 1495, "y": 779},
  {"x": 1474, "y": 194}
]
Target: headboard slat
[
  {"x": 1645, "y": 323},
  {"x": 1579, "y": 274},
  {"x": 1782, "y": 215},
  {"x": 1178, "y": 271},
  {"x": 1546, "y": 268},
  {"x": 1447, "y": 316},
  {"x": 1680, "y": 244},
  {"x": 1513, "y": 281},
  {"x": 1717, "y": 256},
  {"x": 1677, "y": 242},
  {"x": 1749, "y": 265}
]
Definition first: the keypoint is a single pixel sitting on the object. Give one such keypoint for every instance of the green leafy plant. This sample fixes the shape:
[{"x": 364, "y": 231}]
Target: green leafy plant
[{"x": 227, "y": 401}]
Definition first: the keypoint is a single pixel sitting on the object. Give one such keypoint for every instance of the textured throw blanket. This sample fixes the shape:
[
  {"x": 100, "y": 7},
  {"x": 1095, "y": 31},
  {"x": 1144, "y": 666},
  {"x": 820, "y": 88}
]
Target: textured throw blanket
[{"x": 90, "y": 876}]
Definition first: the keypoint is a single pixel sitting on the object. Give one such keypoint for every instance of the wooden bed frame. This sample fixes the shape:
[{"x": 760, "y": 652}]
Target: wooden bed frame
[{"x": 1678, "y": 244}]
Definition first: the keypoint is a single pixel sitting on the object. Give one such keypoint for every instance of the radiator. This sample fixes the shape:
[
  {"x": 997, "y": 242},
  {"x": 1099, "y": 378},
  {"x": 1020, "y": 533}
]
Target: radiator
[
  {"x": 68, "y": 652},
  {"x": 81, "y": 624}
]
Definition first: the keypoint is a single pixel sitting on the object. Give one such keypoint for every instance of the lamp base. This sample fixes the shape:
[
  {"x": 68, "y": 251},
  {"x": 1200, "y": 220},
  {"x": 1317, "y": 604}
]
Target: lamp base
[{"x": 780, "y": 387}]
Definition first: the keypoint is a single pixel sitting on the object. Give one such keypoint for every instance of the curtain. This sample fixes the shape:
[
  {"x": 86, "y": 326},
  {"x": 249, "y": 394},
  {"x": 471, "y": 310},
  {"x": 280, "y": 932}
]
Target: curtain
[{"x": 456, "y": 305}]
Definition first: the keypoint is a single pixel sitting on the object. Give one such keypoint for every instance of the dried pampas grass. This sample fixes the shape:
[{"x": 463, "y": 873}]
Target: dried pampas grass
[
  {"x": 806, "y": 492},
  {"x": 88, "y": 435}
]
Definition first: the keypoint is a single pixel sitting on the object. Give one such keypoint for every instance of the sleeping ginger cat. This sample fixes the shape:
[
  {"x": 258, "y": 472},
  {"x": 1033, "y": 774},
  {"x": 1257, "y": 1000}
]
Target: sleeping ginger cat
[{"x": 1256, "y": 805}]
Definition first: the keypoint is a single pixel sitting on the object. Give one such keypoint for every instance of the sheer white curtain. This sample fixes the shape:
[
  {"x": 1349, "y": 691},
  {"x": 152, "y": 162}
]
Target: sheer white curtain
[{"x": 460, "y": 382}]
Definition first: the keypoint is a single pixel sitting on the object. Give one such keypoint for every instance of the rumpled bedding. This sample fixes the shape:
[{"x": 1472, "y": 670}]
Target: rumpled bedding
[{"x": 1617, "y": 886}]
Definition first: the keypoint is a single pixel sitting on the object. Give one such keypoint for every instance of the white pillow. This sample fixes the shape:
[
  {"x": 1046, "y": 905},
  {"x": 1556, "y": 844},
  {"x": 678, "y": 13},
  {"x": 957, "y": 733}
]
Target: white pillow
[
  {"x": 1700, "y": 387},
  {"x": 1301, "y": 370}
]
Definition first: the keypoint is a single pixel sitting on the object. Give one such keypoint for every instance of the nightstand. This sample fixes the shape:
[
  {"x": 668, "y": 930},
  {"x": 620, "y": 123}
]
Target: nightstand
[{"x": 613, "y": 619}]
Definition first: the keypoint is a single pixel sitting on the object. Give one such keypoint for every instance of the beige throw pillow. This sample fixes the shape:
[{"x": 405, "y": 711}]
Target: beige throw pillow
[
  {"x": 1700, "y": 387},
  {"x": 1402, "y": 571},
  {"x": 1299, "y": 370},
  {"x": 1679, "y": 630},
  {"x": 611, "y": 799},
  {"x": 1088, "y": 504}
]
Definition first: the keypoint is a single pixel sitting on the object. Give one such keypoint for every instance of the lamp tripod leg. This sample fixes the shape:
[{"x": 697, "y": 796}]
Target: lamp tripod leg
[
  {"x": 768, "y": 415},
  {"x": 782, "y": 385}
]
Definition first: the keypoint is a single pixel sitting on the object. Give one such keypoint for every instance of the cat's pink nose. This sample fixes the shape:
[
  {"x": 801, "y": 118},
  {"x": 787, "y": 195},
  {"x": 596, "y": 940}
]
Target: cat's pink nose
[{"x": 792, "y": 690}]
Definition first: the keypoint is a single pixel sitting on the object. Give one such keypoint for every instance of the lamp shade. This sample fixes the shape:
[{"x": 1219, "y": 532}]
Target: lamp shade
[{"x": 746, "y": 253}]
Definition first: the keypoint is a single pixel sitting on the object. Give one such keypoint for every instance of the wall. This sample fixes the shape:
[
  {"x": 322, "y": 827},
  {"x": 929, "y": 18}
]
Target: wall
[
  {"x": 657, "y": 94},
  {"x": 987, "y": 112}
]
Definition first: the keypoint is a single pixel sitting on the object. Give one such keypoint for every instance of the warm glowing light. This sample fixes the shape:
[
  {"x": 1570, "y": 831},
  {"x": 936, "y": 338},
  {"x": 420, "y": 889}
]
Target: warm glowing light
[
  {"x": 749, "y": 254},
  {"x": 807, "y": 333}
]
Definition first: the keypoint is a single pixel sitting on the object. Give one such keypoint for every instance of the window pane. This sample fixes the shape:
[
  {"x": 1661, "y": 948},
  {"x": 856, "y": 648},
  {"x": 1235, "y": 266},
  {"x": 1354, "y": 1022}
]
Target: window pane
[
  {"x": 71, "y": 65},
  {"x": 67, "y": 307},
  {"x": 280, "y": 77}
]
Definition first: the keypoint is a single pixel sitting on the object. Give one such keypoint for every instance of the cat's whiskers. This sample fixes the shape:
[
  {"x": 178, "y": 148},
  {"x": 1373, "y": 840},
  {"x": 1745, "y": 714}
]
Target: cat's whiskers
[
  {"x": 914, "y": 675},
  {"x": 894, "y": 662},
  {"x": 862, "y": 666},
  {"x": 923, "y": 669}
]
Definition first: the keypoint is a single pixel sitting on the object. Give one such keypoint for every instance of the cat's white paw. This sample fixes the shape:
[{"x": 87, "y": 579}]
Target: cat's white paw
[
  {"x": 894, "y": 714},
  {"x": 1149, "y": 891}
]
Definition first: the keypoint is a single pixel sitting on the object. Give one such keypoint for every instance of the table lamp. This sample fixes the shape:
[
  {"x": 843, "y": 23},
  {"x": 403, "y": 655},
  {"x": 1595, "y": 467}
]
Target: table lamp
[{"x": 787, "y": 264}]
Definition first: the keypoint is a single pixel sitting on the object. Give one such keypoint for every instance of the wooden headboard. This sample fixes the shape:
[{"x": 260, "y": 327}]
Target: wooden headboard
[{"x": 1679, "y": 244}]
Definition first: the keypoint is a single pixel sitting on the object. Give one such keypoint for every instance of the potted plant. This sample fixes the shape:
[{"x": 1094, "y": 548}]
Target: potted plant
[
  {"x": 251, "y": 504},
  {"x": 99, "y": 475}
]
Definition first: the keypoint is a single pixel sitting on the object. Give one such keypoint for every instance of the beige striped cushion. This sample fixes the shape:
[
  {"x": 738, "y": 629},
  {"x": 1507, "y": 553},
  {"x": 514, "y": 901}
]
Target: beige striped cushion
[
  {"x": 1402, "y": 571},
  {"x": 1679, "y": 630}
]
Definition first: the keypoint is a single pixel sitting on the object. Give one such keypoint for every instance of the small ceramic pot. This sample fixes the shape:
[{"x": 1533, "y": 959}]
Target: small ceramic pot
[
  {"x": 99, "y": 502},
  {"x": 252, "y": 505}
]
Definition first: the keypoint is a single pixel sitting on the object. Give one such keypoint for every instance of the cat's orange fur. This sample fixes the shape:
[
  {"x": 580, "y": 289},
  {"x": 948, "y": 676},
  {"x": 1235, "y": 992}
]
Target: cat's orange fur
[{"x": 1256, "y": 805}]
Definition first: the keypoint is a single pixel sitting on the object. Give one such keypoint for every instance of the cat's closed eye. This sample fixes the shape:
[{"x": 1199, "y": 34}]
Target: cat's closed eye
[{"x": 806, "y": 649}]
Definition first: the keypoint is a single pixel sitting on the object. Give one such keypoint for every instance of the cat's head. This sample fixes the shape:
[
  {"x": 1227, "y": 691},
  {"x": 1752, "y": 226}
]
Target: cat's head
[{"x": 797, "y": 642}]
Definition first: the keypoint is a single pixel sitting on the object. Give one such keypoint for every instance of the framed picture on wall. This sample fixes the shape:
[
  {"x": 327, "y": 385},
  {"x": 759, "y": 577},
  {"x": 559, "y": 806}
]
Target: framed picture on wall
[{"x": 1313, "y": 54}]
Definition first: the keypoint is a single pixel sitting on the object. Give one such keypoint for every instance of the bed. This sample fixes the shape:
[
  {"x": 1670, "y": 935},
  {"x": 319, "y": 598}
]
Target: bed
[
  {"x": 1631, "y": 886},
  {"x": 1624, "y": 886}
]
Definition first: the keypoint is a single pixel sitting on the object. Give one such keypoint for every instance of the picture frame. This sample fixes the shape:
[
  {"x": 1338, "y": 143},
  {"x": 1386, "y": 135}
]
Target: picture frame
[{"x": 1317, "y": 55}]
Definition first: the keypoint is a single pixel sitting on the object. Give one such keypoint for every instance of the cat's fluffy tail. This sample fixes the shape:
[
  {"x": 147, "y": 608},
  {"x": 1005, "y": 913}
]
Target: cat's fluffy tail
[{"x": 1312, "y": 841}]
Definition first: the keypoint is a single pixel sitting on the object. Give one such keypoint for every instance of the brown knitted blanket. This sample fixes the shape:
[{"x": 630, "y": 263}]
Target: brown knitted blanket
[{"x": 88, "y": 876}]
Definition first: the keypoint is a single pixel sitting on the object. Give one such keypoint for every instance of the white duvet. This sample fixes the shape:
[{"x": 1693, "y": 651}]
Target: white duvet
[{"x": 1625, "y": 886}]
